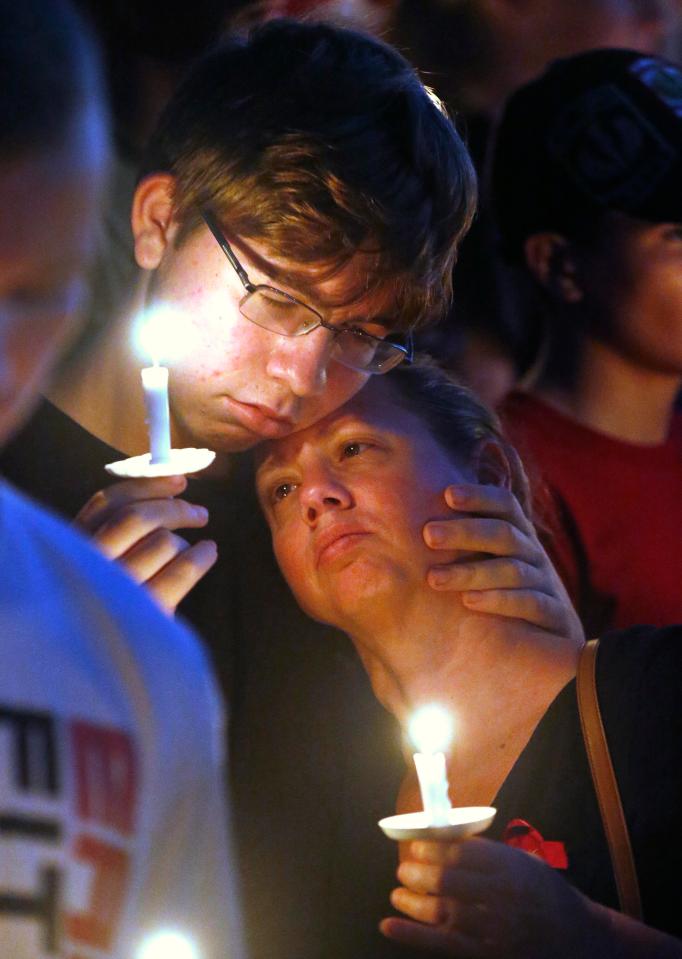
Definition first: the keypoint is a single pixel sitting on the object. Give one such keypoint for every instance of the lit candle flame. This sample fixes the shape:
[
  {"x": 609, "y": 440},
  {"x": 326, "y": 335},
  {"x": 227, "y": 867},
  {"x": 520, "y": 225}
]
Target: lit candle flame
[
  {"x": 161, "y": 335},
  {"x": 167, "y": 944},
  {"x": 430, "y": 729}
]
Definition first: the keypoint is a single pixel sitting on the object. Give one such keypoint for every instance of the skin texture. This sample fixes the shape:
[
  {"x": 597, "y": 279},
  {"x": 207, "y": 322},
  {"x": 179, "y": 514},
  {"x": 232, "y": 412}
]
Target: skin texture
[
  {"x": 628, "y": 285},
  {"x": 47, "y": 231},
  {"x": 632, "y": 279}
]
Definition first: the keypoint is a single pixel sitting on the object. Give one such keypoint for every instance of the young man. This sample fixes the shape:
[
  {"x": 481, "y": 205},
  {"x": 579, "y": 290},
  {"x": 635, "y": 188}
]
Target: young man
[
  {"x": 585, "y": 182},
  {"x": 112, "y": 820},
  {"x": 307, "y": 170},
  {"x": 346, "y": 501}
]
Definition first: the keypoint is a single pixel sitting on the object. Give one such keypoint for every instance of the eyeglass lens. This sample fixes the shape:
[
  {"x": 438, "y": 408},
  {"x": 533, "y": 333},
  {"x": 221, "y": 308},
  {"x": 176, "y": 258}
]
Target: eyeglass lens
[{"x": 274, "y": 310}]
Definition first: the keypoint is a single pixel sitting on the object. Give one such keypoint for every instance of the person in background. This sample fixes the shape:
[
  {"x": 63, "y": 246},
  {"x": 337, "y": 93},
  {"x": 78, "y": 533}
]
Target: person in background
[
  {"x": 112, "y": 816},
  {"x": 346, "y": 501},
  {"x": 474, "y": 53},
  {"x": 300, "y": 209},
  {"x": 585, "y": 183}
]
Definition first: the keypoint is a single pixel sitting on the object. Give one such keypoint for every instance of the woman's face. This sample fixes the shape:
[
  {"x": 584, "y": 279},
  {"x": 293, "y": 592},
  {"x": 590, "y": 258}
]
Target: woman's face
[
  {"x": 631, "y": 281},
  {"x": 347, "y": 500}
]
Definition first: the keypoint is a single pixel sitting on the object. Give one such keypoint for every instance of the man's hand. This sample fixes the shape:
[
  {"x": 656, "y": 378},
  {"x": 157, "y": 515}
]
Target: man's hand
[
  {"x": 132, "y": 522},
  {"x": 483, "y": 900},
  {"x": 514, "y": 578}
]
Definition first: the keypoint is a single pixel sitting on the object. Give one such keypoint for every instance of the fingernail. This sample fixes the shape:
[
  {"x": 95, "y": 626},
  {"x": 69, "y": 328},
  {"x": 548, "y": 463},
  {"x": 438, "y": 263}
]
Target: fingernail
[
  {"x": 438, "y": 577},
  {"x": 408, "y": 872},
  {"x": 457, "y": 494},
  {"x": 200, "y": 512},
  {"x": 177, "y": 480},
  {"x": 435, "y": 534}
]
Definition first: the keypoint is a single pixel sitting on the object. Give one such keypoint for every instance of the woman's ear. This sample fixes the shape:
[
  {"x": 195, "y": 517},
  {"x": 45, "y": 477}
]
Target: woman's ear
[
  {"x": 152, "y": 219},
  {"x": 496, "y": 463},
  {"x": 550, "y": 259},
  {"x": 491, "y": 464}
]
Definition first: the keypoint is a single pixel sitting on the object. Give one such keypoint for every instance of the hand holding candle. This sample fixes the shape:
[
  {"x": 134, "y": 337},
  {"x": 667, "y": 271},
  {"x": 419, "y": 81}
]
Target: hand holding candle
[{"x": 160, "y": 333}]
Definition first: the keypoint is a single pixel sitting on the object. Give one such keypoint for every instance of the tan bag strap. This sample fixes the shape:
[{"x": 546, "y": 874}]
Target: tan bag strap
[{"x": 605, "y": 783}]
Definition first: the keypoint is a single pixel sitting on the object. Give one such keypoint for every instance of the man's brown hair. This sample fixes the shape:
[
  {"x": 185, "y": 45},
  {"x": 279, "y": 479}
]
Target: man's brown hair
[{"x": 321, "y": 142}]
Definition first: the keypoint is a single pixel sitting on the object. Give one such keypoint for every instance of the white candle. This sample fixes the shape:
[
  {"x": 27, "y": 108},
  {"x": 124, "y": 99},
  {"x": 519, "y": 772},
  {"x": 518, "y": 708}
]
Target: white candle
[
  {"x": 155, "y": 385},
  {"x": 430, "y": 729}
]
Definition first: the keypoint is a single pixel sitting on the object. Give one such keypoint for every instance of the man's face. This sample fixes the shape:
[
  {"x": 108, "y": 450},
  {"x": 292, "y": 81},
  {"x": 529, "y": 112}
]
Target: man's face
[
  {"x": 49, "y": 200},
  {"x": 238, "y": 383},
  {"x": 633, "y": 281},
  {"x": 346, "y": 501}
]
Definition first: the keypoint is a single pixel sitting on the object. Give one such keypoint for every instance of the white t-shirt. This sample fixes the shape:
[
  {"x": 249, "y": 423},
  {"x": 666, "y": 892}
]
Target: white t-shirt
[{"x": 112, "y": 818}]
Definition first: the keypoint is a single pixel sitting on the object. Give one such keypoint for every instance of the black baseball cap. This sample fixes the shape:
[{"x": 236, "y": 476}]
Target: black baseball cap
[{"x": 596, "y": 132}]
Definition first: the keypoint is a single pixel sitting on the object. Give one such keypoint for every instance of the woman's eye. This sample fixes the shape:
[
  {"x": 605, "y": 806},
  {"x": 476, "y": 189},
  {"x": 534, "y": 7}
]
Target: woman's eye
[
  {"x": 282, "y": 491},
  {"x": 353, "y": 449}
]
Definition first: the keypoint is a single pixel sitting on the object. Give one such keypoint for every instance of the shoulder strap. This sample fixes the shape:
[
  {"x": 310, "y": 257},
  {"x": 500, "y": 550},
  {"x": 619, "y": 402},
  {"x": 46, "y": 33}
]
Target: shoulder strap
[{"x": 605, "y": 783}]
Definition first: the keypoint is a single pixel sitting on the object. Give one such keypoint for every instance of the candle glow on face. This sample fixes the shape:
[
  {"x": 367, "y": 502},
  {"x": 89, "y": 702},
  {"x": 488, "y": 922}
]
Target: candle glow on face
[
  {"x": 167, "y": 944},
  {"x": 430, "y": 729},
  {"x": 161, "y": 335}
]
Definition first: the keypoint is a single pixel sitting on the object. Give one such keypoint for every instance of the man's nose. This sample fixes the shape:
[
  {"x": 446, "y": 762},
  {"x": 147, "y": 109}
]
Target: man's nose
[
  {"x": 326, "y": 493},
  {"x": 301, "y": 361}
]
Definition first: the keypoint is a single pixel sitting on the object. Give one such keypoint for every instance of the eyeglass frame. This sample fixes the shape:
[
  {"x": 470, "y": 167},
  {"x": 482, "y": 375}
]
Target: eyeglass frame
[{"x": 407, "y": 350}]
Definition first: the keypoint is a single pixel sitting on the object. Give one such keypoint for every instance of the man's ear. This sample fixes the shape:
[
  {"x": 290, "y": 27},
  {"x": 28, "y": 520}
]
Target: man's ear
[
  {"x": 491, "y": 464},
  {"x": 550, "y": 259},
  {"x": 152, "y": 219}
]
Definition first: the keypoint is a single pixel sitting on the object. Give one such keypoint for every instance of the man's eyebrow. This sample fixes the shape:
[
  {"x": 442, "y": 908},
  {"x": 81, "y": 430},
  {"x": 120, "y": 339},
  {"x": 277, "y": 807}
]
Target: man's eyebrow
[{"x": 302, "y": 289}]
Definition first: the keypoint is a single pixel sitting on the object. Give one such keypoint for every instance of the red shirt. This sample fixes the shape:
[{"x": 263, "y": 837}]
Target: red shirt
[{"x": 610, "y": 513}]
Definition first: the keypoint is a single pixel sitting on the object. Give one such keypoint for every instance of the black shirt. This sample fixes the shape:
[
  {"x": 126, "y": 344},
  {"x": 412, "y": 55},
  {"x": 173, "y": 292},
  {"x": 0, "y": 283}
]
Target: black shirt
[{"x": 639, "y": 683}]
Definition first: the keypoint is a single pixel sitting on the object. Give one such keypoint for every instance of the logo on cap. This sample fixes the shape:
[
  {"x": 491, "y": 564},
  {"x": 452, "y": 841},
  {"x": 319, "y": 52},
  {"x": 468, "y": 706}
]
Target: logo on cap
[
  {"x": 663, "y": 79},
  {"x": 609, "y": 149}
]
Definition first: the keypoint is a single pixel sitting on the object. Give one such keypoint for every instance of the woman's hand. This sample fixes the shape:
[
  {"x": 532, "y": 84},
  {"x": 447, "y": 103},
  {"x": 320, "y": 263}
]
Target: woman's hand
[
  {"x": 510, "y": 574},
  {"x": 480, "y": 899},
  {"x": 133, "y": 522}
]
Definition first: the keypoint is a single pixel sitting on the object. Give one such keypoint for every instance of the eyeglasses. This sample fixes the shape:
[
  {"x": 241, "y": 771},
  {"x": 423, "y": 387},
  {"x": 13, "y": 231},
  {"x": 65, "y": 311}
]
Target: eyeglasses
[{"x": 281, "y": 313}]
